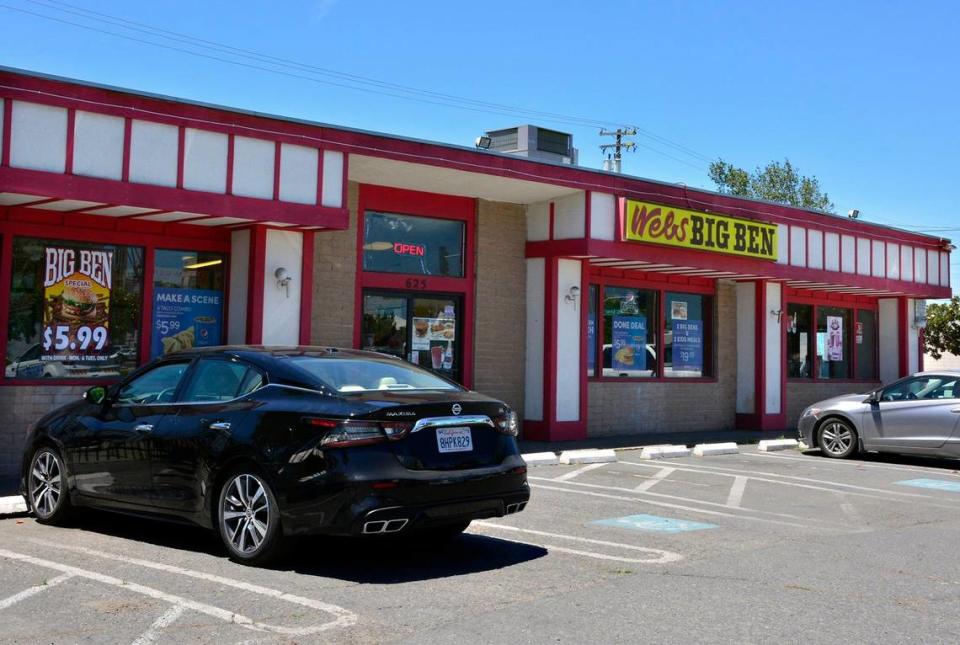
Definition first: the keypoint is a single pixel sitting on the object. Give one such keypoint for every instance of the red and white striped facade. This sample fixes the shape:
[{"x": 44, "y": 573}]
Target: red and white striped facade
[{"x": 94, "y": 163}]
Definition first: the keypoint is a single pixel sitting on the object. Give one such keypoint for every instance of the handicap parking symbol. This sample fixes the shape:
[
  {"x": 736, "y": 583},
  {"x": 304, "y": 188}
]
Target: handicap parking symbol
[
  {"x": 934, "y": 484},
  {"x": 655, "y": 523}
]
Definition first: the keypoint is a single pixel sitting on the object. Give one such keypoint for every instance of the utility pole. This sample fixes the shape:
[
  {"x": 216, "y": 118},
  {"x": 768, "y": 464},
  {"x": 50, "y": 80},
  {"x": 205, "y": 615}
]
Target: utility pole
[{"x": 612, "y": 162}]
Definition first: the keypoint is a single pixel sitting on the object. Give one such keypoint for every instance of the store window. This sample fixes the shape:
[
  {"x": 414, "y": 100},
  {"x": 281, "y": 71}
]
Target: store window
[
  {"x": 799, "y": 341},
  {"x": 413, "y": 245},
  {"x": 75, "y": 309},
  {"x": 629, "y": 334},
  {"x": 188, "y": 298},
  {"x": 687, "y": 342},
  {"x": 833, "y": 343},
  {"x": 865, "y": 342}
]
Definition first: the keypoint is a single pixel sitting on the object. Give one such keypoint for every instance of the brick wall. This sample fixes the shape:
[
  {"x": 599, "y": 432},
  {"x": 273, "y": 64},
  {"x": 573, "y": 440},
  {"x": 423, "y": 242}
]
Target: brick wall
[
  {"x": 334, "y": 281},
  {"x": 800, "y": 395},
  {"x": 500, "y": 302},
  {"x": 19, "y": 407},
  {"x": 637, "y": 407}
]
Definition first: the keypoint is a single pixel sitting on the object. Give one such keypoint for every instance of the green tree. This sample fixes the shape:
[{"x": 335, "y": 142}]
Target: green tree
[
  {"x": 942, "y": 335},
  {"x": 777, "y": 182}
]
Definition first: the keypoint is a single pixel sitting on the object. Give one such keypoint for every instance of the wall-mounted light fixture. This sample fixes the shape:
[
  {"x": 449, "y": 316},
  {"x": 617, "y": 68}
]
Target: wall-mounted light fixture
[
  {"x": 283, "y": 279},
  {"x": 483, "y": 142},
  {"x": 572, "y": 295},
  {"x": 778, "y": 313},
  {"x": 853, "y": 213}
]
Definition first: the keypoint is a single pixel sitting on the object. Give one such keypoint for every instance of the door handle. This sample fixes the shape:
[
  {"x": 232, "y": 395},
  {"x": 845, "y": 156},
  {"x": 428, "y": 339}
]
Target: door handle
[
  {"x": 143, "y": 427},
  {"x": 220, "y": 425}
]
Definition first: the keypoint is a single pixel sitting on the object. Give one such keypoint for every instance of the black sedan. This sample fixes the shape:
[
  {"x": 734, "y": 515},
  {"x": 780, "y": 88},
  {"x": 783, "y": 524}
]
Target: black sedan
[{"x": 262, "y": 443}]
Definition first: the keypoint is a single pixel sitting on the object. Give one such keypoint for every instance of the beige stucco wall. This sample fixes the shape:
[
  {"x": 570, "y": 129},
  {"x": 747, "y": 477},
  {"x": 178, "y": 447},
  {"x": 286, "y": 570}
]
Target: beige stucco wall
[
  {"x": 19, "y": 407},
  {"x": 637, "y": 407},
  {"x": 500, "y": 302}
]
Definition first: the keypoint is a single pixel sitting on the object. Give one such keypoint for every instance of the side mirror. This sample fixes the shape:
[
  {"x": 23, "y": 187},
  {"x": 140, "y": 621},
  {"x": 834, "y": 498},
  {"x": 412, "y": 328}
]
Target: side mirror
[
  {"x": 96, "y": 395},
  {"x": 874, "y": 398}
]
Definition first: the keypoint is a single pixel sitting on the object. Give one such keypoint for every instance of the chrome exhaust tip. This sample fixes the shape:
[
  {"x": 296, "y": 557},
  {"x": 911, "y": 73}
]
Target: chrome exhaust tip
[
  {"x": 380, "y": 527},
  {"x": 515, "y": 508}
]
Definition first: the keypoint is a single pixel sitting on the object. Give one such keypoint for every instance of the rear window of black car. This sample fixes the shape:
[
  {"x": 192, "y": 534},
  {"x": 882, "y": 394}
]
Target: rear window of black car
[{"x": 357, "y": 375}]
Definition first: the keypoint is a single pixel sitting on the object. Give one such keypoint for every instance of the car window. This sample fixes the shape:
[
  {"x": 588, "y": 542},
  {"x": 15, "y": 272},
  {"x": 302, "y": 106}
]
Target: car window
[
  {"x": 32, "y": 354},
  {"x": 156, "y": 386},
  {"x": 360, "y": 375},
  {"x": 922, "y": 388},
  {"x": 218, "y": 380}
]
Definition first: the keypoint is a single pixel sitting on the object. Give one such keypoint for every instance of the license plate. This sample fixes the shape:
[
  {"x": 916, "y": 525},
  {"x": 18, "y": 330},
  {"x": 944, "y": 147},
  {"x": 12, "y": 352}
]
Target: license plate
[{"x": 454, "y": 440}]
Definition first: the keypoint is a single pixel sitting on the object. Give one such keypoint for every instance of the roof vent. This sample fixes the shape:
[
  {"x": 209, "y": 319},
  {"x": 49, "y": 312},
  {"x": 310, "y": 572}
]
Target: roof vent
[{"x": 533, "y": 142}]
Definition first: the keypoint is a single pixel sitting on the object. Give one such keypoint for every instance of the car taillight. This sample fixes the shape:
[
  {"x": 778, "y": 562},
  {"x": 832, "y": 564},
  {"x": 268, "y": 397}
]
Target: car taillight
[
  {"x": 507, "y": 424},
  {"x": 347, "y": 432}
]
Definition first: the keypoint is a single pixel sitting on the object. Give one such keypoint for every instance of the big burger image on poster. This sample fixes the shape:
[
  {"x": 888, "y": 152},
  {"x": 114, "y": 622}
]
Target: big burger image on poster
[{"x": 76, "y": 303}]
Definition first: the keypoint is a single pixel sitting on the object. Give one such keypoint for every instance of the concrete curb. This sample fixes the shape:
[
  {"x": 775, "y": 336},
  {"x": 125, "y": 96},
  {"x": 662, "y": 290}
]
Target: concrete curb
[
  {"x": 664, "y": 452},
  {"x": 587, "y": 456},
  {"x": 711, "y": 449},
  {"x": 770, "y": 445},
  {"x": 12, "y": 505},
  {"x": 541, "y": 459}
]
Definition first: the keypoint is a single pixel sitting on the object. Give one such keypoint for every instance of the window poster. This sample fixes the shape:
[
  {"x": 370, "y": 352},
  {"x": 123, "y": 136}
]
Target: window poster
[
  {"x": 858, "y": 327},
  {"x": 629, "y": 342},
  {"x": 834, "y": 338},
  {"x": 185, "y": 318},
  {"x": 426, "y": 330},
  {"x": 678, "y": 309},
  {"x": 76, "y": 304},
  {"x": 688, "y": 345},
  {"x": 591, "y": 341}
]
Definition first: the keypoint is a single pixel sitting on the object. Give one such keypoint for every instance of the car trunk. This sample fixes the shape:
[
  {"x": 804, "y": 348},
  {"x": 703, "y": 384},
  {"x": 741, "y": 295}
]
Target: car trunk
[{"x": 459, "y": 439}]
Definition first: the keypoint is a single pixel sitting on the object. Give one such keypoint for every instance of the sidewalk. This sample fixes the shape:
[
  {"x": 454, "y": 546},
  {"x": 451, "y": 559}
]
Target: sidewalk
[
  {"x": 12, "y": 505},
  {"x": 655, "y": 438}
]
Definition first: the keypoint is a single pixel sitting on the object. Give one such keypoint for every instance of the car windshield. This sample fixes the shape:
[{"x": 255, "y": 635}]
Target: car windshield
[{"x": 359, "y": 375}]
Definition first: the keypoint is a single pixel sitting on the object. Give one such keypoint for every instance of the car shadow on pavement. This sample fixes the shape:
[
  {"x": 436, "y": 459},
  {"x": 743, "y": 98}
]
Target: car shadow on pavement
[
  {"x": 894, "y": 459},
  {"x": 373, "y": 560},
  {"x": 398, "y": 560}
]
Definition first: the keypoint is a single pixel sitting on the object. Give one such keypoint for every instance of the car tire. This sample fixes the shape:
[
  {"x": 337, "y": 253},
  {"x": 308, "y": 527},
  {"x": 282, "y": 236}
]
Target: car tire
[
  {"x": 47, "y": 492},
  {"x": 837, "y": 439},
  {"x": 248, "y": 518}
]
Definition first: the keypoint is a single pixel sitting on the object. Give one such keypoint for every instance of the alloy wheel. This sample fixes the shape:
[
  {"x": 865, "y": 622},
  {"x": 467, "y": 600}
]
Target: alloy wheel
[
  {"x": 46, "y": 483},
  {"x": 246, "y": 513},
  {"x": 836, "y": 438}
]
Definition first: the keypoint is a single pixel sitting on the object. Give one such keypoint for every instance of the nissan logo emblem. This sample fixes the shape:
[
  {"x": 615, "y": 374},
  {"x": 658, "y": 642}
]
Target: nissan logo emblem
[{"x": 457, "y": 408}]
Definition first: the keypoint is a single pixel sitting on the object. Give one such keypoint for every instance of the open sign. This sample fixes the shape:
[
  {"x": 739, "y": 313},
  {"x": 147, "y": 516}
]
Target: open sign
[{"x": 402, "y": 248}]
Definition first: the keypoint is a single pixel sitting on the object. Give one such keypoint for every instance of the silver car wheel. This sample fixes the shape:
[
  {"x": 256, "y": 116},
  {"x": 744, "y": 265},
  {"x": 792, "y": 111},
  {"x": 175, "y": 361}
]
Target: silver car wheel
[
  {"x": 245, "y": 513},
  {"x": 836, "y": 438},
  {"x": 46, "y": 483}
]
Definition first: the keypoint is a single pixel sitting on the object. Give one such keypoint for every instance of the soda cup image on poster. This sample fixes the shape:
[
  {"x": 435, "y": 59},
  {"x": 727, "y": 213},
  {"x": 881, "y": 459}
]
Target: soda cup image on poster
[
  {"x": 76, "y": 304},
  {"x": 185, "y": 318}
]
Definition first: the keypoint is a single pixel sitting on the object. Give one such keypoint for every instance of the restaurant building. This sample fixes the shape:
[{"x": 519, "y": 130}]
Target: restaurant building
[{"x": 133, "y": 225}]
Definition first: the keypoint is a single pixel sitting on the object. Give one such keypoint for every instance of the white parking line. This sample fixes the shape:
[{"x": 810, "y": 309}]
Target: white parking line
[
  {"x": 662, "y": 556},
  {"x": 344, "y": 617},
  {"x": 153, "y": 632},
  {"x": 735, "y": 498},
  {"x": 579, "y": 471},
  {"x": 816, "y": 484},
  {"x": 33, "y": 591},
  {"x": 676, "y": 498},
  {"x": 678, "y": 507},
  {"x": 825, "y": 461},
  {"x": 661, "y": 474}
]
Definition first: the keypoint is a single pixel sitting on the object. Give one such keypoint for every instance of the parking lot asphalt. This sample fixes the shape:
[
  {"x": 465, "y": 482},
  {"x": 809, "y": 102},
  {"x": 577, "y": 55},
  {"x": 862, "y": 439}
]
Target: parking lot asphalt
[{"x": 740, "y": 548}]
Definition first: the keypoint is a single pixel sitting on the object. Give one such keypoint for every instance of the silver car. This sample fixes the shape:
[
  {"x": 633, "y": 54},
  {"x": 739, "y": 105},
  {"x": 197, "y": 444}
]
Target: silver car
[{"x": 917, "y": 415}]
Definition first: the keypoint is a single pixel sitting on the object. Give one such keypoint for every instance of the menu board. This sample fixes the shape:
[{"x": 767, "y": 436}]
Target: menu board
[
  {"x": 76, "y": 304},
  {"x": 687, "y": 341},
  {"x": 185, "y": 318},
  {"x": 426, "y": 330},
  {"x": 629, "y": 343}
]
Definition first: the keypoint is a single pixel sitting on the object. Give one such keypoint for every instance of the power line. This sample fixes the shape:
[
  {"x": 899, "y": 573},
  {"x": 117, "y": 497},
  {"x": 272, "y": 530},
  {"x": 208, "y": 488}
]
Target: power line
[{"x": 349, "y": 81}]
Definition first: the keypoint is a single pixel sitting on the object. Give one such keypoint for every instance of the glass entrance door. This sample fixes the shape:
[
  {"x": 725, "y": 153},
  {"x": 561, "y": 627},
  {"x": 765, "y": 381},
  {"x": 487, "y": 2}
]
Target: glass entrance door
[{"x": 422, "y": 329}]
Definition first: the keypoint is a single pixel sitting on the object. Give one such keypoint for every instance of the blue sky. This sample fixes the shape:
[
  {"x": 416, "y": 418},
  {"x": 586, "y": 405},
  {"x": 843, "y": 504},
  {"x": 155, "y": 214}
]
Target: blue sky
[{"x": 861, "y": 94}]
